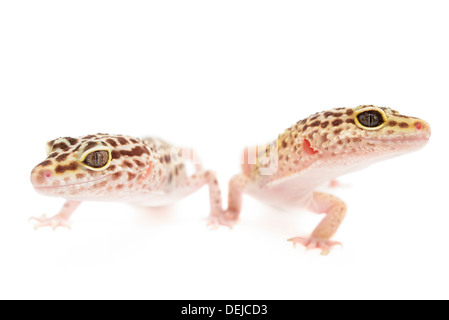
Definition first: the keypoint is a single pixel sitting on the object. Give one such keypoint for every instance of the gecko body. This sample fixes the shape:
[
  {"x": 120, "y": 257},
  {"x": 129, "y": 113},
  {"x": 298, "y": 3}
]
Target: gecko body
[
  {"x": 103, "y": 167},
  {"x": 287, "y": 172}
]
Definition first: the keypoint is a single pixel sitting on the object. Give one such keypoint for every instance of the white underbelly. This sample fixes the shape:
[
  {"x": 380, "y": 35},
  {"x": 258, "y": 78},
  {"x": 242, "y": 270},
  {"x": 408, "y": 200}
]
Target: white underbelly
[
  {"x": 140, "y": 198},
  {"x": 286, "y": 194}
]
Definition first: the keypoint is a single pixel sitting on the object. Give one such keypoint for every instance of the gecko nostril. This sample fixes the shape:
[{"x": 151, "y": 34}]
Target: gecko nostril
[
  {"x": 419, "y": 125},
  {"x": 40, "y": 177}
]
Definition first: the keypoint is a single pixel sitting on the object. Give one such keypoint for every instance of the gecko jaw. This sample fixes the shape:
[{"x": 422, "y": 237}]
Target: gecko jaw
[
  {"x": 398, "y": 139},
  {"x": 70, "y": 185}
]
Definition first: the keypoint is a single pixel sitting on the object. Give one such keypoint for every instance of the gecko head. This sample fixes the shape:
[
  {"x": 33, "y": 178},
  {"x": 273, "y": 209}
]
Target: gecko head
[
  {"x": 367, "y": 131},
  {"x": 90, "y": 166}
]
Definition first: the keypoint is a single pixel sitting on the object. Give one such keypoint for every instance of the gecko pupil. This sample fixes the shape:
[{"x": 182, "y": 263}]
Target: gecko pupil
[
  {"x": 370, "y": 118},
  {"x": 97, "y": 159}
]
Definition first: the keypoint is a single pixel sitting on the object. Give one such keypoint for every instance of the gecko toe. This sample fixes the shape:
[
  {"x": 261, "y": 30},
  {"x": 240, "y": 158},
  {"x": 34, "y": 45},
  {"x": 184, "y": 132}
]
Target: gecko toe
[
  {"x": 53, "y": 222},
  {"x": 324, "y": 245},
  {"x": 225, "y": 218}
]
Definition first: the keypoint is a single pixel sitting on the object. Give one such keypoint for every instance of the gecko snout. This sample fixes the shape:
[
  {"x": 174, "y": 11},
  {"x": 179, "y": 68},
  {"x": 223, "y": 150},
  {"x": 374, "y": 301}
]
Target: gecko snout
[
  {"x": 423, "y": 128},
  {"x": 41, "y": 177}
]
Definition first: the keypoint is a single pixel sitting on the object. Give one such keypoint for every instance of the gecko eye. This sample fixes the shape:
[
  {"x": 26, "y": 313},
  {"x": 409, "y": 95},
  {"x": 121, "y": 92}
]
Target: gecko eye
[
  {"x": 97, "y": 159},
  {"x": 370, "y": 119}
]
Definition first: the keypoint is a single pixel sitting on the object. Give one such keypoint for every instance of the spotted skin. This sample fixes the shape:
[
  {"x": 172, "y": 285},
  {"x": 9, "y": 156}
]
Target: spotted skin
[
  {"x": 147, "y": 172},
  {"x": 315, "y": 151}
]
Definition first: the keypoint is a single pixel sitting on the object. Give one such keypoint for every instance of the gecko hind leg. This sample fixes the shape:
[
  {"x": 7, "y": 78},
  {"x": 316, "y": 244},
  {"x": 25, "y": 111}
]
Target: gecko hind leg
[
  {"x": 335, "y": 210},
  {"x": 59, "y": 220}
]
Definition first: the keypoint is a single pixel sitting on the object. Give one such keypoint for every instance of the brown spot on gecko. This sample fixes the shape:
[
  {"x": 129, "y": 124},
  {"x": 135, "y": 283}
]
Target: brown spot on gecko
[
  {"x": 72, "y": 141},
  {"x": 392, "y": 123},
  {"x": 116, "y": 175},
  {"x": 337, "y": 131},
  {"x": 131, "y": 176},
  {"x": 88, "y": 137},
  {"x": 403, "y": 125},
  {"x": 77, "y": 148},
  {"x": 90, "y": 145},
  {"x": 52, "y": 155},
  {"x": 72, "y": 166},
  {"x": 122, "y": 141},
  {"x": 136, "y": 151},
  {"x": 61, "y": 145},
  {"x": 390, "y": 131},
  {"x": 349, "y": 112},
  {"x": 324, "y": 124},
  {"x": 134, "y": 141},
  {"x": 139, "y": 163},
  {"x": 315, "y": 123},
  {"x": 284, "y": 145},
  {"x": 50, "y": 143},
  {"x": 334, "y": 114},
  {"x": 337, "y": 122},
  {"x": 112, "y": 142},
  {"x": 44, "y": 163},
  {"x": 62, "y": 157},
  {"x": 350, "y": 121},
  {"x": 357, "y": 140},
  {"x": 128, "y": 164},
  {"x": 120, "y": 186},
  {"x": 80, "y": 175}
]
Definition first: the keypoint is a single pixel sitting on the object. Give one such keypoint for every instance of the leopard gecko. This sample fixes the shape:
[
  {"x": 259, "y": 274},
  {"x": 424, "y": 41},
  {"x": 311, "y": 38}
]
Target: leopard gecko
[
  {"x": 315, "y": 151},
  {"x": 103, "y": 167}
]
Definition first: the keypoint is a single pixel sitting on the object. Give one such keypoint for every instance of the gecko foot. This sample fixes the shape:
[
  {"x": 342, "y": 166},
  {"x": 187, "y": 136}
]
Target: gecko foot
[
  {"x": 225, "y": 218},
  {"x": 324, "y": 245},
  {"x": 54, "y": 222}
]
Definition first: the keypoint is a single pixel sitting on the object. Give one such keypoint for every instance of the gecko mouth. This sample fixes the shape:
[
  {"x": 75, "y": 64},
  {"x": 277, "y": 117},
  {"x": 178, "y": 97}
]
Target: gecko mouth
[
  {"x": 55, "y": 187},
  {"x": 409, "y": 139}
]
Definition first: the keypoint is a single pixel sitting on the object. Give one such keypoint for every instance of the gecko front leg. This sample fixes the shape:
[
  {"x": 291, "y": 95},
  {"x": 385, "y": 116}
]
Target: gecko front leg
[
  {"x": 230, "y": 216},
  {"x": 335, "y": 210},
  {"x": 59, "y": 220},
  {"x": 199, "y": 179}
]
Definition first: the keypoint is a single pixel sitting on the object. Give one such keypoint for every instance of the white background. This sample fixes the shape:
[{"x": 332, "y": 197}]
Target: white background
[{"x": 218, "y": 76}]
